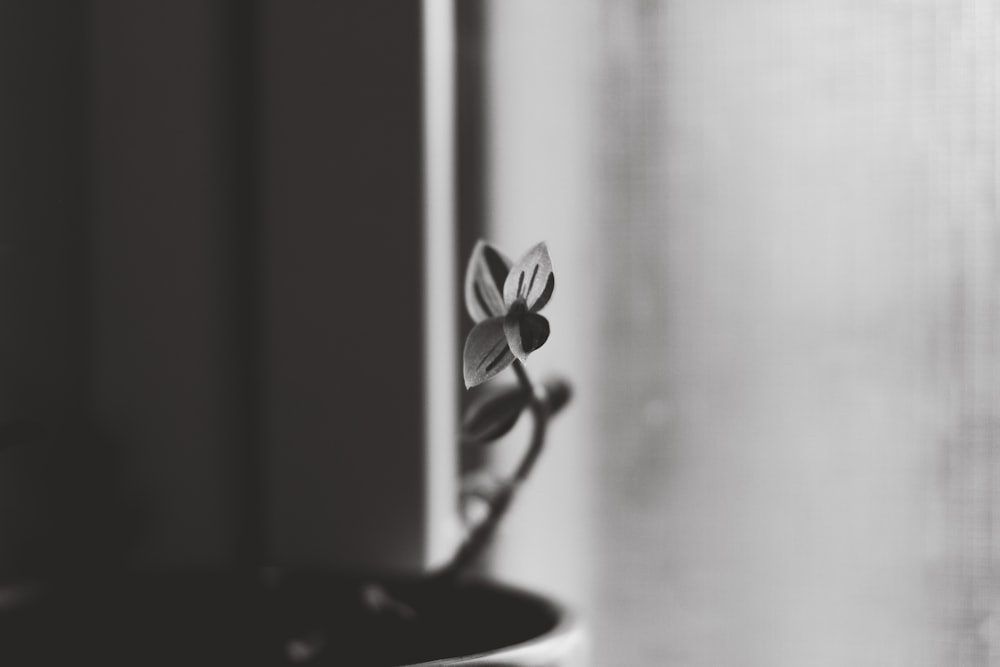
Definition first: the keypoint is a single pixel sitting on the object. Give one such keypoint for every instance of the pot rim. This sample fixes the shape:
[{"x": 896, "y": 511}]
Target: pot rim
[{"x": 563, "y": 638}]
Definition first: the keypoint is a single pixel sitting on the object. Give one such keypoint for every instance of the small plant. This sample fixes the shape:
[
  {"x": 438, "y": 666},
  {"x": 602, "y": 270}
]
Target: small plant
[
  {"x": 503, "y": 299},
  {"x": 504, "y": 302}
]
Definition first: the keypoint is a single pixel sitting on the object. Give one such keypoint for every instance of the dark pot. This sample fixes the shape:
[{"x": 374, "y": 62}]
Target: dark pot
[{"x": 307, "y": 620}]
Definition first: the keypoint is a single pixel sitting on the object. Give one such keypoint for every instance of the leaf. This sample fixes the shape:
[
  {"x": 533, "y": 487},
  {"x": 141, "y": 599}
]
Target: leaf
[
  {"x": 493, "y": 413},
  {"x": 525, "y": 332},
  {"x": 558, "y": 393},
  {"x": 486, "y": 352},
  {"x": 484, "y": 281},
  {"x": 530, "y": 280}
]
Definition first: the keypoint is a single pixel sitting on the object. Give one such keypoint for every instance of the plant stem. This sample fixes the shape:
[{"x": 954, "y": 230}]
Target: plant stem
[
  {"x": 480, "y": 536},
  {"x": 540, "y": 413}
]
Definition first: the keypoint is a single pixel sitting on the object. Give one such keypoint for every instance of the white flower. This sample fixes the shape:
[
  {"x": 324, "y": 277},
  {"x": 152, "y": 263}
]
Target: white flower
[{"x": 504, "y": 301}]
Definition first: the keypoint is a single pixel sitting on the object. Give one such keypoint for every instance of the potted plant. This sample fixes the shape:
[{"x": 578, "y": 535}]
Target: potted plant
[{"x": 450, "y": 617}]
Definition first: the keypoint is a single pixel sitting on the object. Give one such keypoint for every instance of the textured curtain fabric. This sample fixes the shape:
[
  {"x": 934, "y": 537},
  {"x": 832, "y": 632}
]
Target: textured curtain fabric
[{"x": 780, "y": 249}]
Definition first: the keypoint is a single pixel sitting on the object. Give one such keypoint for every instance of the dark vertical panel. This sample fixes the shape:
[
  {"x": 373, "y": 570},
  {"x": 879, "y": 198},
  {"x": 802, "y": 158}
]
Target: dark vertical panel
[
  {"x": 238, "y": 128},
  {"x": 343, "y": 283},
  {"x": 43, "y": 286},
  {"x": 471, "y": 52},
  {"x": 167, "y": 345},
  {"x": 471, "y": 124},
  {"x": 146, "y": 316}
]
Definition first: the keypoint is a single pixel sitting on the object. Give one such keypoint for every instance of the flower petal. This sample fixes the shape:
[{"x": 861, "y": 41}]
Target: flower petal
[
  {"x": 546, "y": 294},
  {"x": 486, "y": 352},
  {"x": 526, "y": 332},
  {"x": 531, "y": 279},
  {"x": 484, "y": 280}
]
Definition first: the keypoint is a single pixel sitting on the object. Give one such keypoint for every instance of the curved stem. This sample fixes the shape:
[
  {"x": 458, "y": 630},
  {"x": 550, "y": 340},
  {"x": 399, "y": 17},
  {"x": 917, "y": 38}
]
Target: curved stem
[
  {"x": 480, "y": 536},
  {"x": 540, "y": 413}
]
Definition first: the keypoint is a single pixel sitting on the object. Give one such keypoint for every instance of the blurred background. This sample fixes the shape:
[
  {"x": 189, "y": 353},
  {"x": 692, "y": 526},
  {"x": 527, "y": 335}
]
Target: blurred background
[{"x": 775, "y": 230}]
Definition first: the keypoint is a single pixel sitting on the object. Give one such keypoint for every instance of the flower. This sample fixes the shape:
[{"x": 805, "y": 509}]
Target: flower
[{"x": 504, "y": 301}]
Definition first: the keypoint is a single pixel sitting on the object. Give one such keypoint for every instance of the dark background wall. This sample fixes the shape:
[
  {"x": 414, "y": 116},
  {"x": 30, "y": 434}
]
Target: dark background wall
[
  {"x": 343, "y": 309},
  {"x": 211, "y": 275},
  {"x": 173, "y": 376},
  {"x": 45, "y": 280}
]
